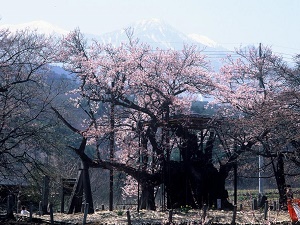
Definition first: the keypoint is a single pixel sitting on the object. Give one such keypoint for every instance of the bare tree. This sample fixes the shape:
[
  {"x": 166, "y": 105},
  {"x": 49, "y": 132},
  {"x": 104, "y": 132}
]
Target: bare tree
[{"x": 24, "y": 97}]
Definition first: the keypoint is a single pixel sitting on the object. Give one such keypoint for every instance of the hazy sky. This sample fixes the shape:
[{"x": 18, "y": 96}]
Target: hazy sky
[{"x": 228, "y": 22}]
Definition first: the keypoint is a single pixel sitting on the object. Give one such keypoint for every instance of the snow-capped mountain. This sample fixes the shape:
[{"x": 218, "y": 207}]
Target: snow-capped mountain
[
  {"x": 203, "y": 40},
  {"x": 39, "y": 26},
  {"x": 155, "y": 32},
  {"x": 159, "y": 34}
]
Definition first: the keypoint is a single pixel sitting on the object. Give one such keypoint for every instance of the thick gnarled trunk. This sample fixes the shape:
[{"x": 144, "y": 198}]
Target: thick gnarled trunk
[
  {"x": 280, "y": 180},
  {"x": 147, "y": 200},
  {"x": 195, "y": 185}
]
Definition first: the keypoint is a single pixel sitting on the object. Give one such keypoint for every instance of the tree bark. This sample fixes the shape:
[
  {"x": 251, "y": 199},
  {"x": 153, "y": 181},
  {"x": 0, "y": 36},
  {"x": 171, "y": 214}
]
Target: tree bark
[
  {"x": 280, "y": 180},
  {"x": 147, "y": 196}
]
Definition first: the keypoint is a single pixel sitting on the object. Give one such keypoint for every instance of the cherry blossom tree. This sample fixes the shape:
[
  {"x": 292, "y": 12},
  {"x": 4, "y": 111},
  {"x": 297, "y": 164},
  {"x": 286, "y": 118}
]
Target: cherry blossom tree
[
  {"x": 256, "y": 94},
  {"x": 146, "y": 88}
]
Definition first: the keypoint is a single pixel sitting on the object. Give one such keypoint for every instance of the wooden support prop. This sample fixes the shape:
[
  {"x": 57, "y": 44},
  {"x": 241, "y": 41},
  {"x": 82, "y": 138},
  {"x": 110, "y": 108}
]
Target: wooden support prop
[
  {"x": 18, "y": 209},
  {"x": 51, "y": 213},
  {"x": 67, "y": 186},
  {"x": 40, "y": 209},
  {"x": 30, "y": 212},
  {"x": 76, "y": 196},
  {"x": 219, "y": 203},
  {"x": 86, "y": 210},
  {"x": 18, "y": 206},
  {"x": 45, "y": 194},
  {"x": 62, "y": 197}
]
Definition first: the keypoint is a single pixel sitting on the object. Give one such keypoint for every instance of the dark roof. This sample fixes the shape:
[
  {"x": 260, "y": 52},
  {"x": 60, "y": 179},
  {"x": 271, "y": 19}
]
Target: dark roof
[{"x": 191, "y": 121}]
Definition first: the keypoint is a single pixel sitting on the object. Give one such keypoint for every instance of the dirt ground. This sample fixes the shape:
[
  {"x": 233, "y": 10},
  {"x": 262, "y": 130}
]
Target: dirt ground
[{"x": 156, "y": 217}]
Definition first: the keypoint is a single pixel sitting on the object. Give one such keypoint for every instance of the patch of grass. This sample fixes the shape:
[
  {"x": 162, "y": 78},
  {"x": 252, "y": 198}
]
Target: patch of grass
[
  {"x": 120, "y": 212},
  {"x": 185, "y": 208}
]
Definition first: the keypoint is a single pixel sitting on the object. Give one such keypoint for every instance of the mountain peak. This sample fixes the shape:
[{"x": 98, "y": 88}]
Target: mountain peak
[
  {"x": 150, "y": 22},
  {"x": 158, "y": 33}
]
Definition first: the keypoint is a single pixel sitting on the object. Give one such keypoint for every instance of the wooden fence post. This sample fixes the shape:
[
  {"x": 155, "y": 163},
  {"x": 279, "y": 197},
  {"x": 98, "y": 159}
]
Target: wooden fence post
[
  {"x": 128, "y": 217},
  {"x": 45, "y": 194},
  {"x": 266, "y": 210},
  {"x": 234, "y": 215},
  {"x": 254, "y": 204},
  {"x": 10, "y": 204},
  {"x": 274, "y": 205},
  {"x": 170, "y": 216},
  {"x": 204, "y": 214}
]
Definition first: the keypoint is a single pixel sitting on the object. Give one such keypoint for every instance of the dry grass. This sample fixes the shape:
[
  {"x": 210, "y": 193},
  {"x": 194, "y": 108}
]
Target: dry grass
[{"x": 191, "y": 217}]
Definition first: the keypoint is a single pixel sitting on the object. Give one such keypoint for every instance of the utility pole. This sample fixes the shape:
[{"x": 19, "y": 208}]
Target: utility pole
[
  {"x": 260, "y": 158},
  {"x": 166, "y": 142},
  {"x": 139, "y": 130},
  {"x": 111, "y": 148},
  {"x": 260, "y": 179}
]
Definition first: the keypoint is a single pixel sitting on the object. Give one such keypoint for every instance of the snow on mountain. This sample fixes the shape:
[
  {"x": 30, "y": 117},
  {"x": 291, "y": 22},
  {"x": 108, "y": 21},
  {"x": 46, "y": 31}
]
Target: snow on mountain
[
  {"x": 40, "y": 26},
  {"x": 161, "y": 35},
  {"x": 203, "y": 40},
  {"x": 155, "y": 32}
]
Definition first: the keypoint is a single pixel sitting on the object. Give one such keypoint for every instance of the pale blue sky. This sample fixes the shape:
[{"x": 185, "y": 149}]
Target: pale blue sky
[{"x": 228, "y": 22}]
